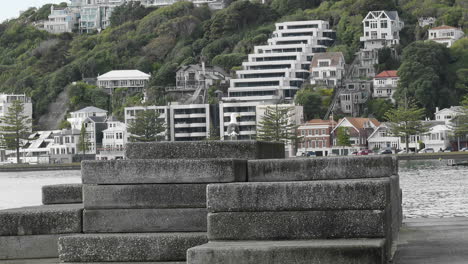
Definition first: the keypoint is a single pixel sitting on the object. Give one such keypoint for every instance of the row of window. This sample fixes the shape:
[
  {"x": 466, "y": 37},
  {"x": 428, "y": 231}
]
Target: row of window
[
  {"x": 313, "y": 144},
  {"x": 374, "y": 24},
  {"x": 312, "y": 132}
]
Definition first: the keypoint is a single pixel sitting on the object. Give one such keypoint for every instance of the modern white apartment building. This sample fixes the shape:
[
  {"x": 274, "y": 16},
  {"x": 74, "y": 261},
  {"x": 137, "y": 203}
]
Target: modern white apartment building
[
  {"x": 77, "y": 118},
  {"x": 132, "y": 80},
  {"x": 381, "y": 29},
  {"x": 446, "y": 35},
  {"x": 7, "y": 99},
  {"x": 190, "y": 122},
  {"x": 213, "y": 4},
  {"x": 61, "y": 20},
  {"x": 328, "y": 69},
  {"x": 385, "y": 84},
  {"x": 246, "y": 117},
  {"x": 277, "y": 70},
  {"x": 114, "y": 139},
  {"x": 95, "y": 14}
]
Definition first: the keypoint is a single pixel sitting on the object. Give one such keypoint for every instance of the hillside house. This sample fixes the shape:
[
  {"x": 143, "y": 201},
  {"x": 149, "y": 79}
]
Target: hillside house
[
  {"x": 327, "y": 69},
  {"x": 385, "y": 85},
  {"x": 446, "y": 35}
]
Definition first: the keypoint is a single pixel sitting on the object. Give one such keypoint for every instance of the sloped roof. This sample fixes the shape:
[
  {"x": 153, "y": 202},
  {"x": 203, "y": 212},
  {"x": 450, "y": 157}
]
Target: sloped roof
[
  {"x": 124, "y": 74},
  {"x": 198, "y": 67},
  {"x": 112, "y": 119},
  {"x": 91, "y": 109},
  {"x": 319, "y": 121},
  {"x": 443, "y": 27},
  {"x": 387, "y": 74},
  {"x": 97, "y": 119},
  {"x": 391, "y": 14},
  {"x": 358, "y": 122},
  {"x": 335, "y": 58}
]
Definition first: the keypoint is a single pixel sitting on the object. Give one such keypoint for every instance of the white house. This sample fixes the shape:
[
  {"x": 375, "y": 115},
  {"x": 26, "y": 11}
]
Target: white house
[
  {"x": 381, "y": 138},
  {"x": 78, "y": 117},
  {"x": 447, "y": 114},
  {"x": 94, "y": 126},
  {"x": 61, "y": 20},
  {"x": 446, "y": 35},
  {"x": 132, "y": 80},
  {"x": 277, "y": 70},
  {"x": 328, "y": 69},
  {"x": 426, "y": 21},
  {"x": 64, "y": 146},
  {"x": 381, "y": 29},
  {"x": 194, "y": 76},
  {"x": 114, "y": 139},
  {"x": 385, "y": 85},
  {"x": 358, "y": 129},
  {"x": 437, "y": 137}
]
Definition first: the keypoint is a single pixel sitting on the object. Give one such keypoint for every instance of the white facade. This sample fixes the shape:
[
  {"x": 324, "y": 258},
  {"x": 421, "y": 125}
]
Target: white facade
[
  {"x": 247, "y": 119},
  {"x": 385, "y": 85},
  {"x": 94, "y": 126},
  {"x": 213, "y": 4},
  {"x": 133, "y": 80},
  {"x": 164, "y": 113},
  {"x": 114, "y": 139},
  {"x": 383, "y": 139},
  {"x": 447, "y": 114},
  {"x": 64, "y": 146},
  {"x": 190, "y": 122},
  {"x": 445, "y": 35},
  {"x": 328, "y": 69},
  {"x": 95, "y": 14},
  {"x": 381, "y": 29},
  {"x": 277, "y": 70},
  {"x": 7, "y": 99},
  {"x": 426, "y": 21},
  {"x": 437, "y": 137},
  {"x": 78, "y": 117},
  {"x": 61, "y": 20}
]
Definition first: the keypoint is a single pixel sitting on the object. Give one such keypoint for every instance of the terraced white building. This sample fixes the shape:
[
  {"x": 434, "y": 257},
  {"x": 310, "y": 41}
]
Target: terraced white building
[{"x": 274, "y": 72}]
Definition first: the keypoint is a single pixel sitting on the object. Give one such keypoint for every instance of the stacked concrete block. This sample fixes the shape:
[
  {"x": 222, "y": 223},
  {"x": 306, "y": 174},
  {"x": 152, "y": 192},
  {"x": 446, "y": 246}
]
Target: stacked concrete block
[
  {"x": 323, "y": 210},
  {"x": 152, "y": 206},
  {"x": 62, "y": 194},
  {"x": 33, "y": 232}
]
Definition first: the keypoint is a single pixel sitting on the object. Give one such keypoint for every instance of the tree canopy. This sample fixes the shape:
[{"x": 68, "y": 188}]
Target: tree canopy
[
  {"x": 147, "y": 126},
  {"x": 276, "y": 125},
  {"x": 15, "y": 127}
]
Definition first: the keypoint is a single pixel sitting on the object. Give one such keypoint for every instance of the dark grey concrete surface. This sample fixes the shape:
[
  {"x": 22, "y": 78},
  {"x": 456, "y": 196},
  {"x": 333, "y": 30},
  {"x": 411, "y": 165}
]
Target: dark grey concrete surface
[
  {"x": 40, "y": 220},
  {"x": 433, "y": 241},
  {"x": 329, "y": 168},
  {"x": 144, "y": 196},
  {"x": 336, "y": 251},
  {"x": 205, "y": 149},
  {"x": 163, "y": 171},
  {"x": 23, "y": 247},
  {"x": 144, "y": 220},
  {"x": 366, "y": 194},
  {"x": 62, "y": 194},
  {"x": 296, "y": 225}
]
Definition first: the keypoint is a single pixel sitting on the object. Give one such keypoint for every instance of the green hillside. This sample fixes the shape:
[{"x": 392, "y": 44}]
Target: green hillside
[{"x": 157, "y": 41}]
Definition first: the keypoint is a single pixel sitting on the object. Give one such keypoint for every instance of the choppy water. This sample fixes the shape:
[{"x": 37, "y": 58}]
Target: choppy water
[
  {"x": 18, "y": 189},
  {"x": 430, "y": 188}
]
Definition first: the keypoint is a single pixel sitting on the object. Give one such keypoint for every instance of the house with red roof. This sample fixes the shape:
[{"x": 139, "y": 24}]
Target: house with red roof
[
  {"x": 385, "y": 84},
  {"x": 359, "y": 129},
  {"x": 315, "y": 136},
  {"x": 446, "y": 35}
]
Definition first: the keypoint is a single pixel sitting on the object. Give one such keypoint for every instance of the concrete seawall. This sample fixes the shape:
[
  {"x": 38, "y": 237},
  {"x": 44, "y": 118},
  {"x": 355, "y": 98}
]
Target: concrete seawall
[{"x": 48, "y": 167}]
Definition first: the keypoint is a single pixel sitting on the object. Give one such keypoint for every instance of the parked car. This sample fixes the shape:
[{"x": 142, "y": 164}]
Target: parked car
[
  {"x": 404, "y": 152},
  {"x": 309, "y": 154},
  {"x": 355, "y": 153},
  {"x": 464, "y": 149},
  {"x": 385, "y": 151},
  {"x": 363, "y": 152},
  {"x": 427, "y": 150}
]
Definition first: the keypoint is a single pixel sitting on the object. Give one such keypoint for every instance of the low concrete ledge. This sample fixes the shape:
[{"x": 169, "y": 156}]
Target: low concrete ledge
[
  {"x": 62, "y": 194},
  {"x": 28, "y": 247},
  {"x": 149, "y": 247},
  {"x": 41, "y": 220},
  {"x": 309, "y": 169},
  {"x": 163, "y": 171},
  {"x": 336, "y": 251},
  {"x": 144, "y": 220},
  {"x": 144, "y": 196},
  {"x": 296, "y": 225},
  {"x": 205, "y": 150},
  {"x": 367, "y": 194}
]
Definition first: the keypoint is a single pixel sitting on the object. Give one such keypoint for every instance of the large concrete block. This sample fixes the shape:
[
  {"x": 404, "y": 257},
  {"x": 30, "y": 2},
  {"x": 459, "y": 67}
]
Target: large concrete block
[
  {"x": 144, "y": 196},
  {"x": 163, "y": 171},
  {"x": 28, "y": 247},
  {"x": 128, "y": 247},
  {"x": 41, "y": 220},
  {"x": 296, "y": 225},
  {"x": 336, "y": 251},
  {"x": 365, "y": 194},
  {"x": 144, "y": 220},
  {"x": 62, "y": 194},
  {"x": 205, "y": 150},
  {"x": 307, "y": 169}
]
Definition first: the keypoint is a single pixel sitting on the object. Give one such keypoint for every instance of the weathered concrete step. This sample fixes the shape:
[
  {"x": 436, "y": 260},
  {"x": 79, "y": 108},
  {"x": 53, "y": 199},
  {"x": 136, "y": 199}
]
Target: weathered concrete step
[
  {"x": 41, "y": 220},
  {"x": 144, "y": 196},
  {"x": 307, "y": 169},
  {"x": 365, "y": 194},
  {"x": 205, "y": 150},
  {"x": 296, "y": 225},
  {"x": 336, "y": 251},
  {"x": 27, "y": 247},
  {"x": 62, "y": 194},
  {"x": 57, "y": 261},
  {"x": 145, "y": 220},
  {"x": 164, "y": 171},
  {"x": 147, "y": 247}
]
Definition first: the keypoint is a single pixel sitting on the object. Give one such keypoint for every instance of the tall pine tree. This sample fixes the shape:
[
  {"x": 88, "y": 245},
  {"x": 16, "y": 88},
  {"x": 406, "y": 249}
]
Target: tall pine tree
[
  {"x": 147, "y": 126},
  {"x": 15, "y": 128},
  {"x": 277, "y": 125}
]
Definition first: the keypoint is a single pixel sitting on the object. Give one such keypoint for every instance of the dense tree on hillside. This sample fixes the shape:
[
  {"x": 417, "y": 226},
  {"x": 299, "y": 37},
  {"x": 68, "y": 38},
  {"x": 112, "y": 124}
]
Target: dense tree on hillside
[
  {"x": 82, "y": 95},
  {"x": 129, "y": 11},
  {"x": 15, "y": 128},
  {"x": 377, "y": 108},
  {"x": 311, "y": 101},
  {"x": 424, "y": 76}
]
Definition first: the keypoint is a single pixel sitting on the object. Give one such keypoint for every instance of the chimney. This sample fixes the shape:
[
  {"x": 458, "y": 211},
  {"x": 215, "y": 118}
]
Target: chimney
[{"x": 437, "y": 109}]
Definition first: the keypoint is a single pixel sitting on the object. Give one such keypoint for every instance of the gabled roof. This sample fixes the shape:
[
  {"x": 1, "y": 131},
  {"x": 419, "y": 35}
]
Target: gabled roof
[
  {"x": 392, "y": 15},
  {"x": 198, "y": 67},
  {"x": 443, "y": 27},
  {"x": 112, "y": 119},
  {"x": 91, "y": 109},
  {"x": 335, "y": 58},
  {"x": 358, "y": 123},
  {"x": 96, "y": 119},
  {"x": 124, "y": 74},
  {"x": 458, "y": 109},
  {"x": 387, "y": 74}
]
